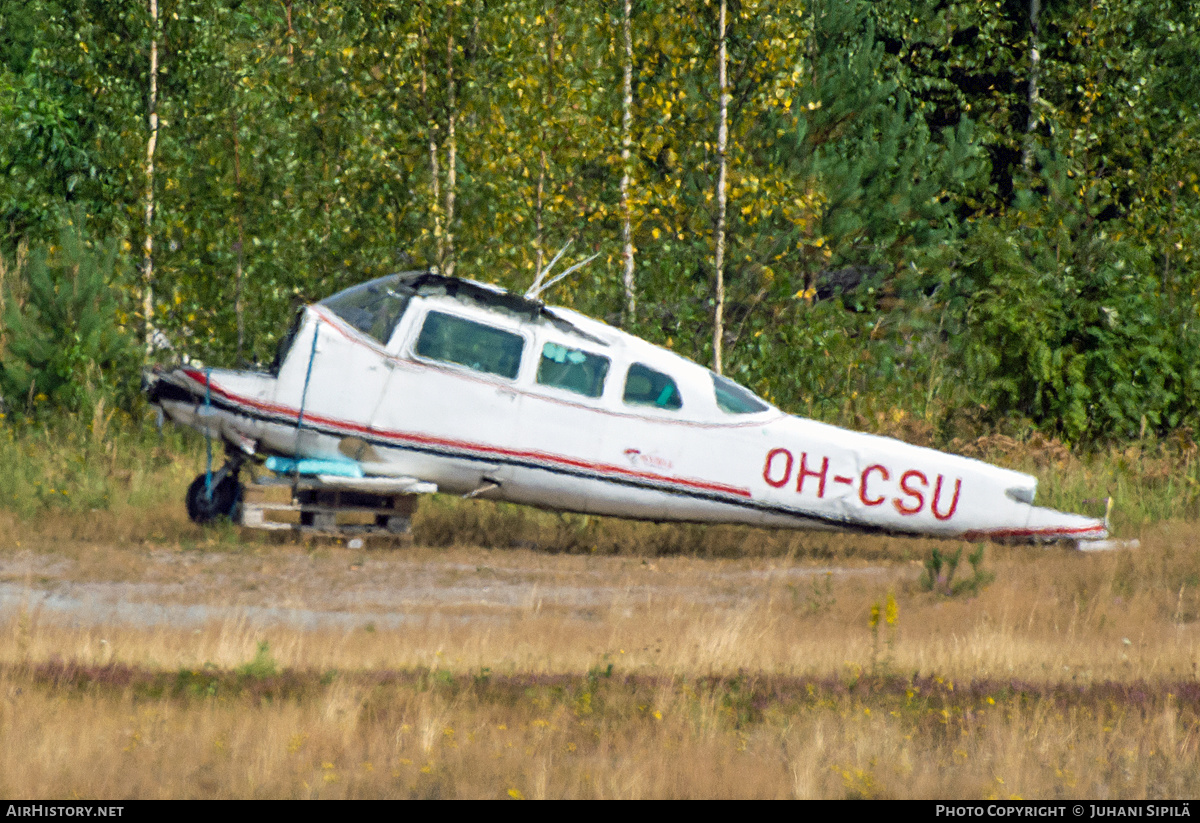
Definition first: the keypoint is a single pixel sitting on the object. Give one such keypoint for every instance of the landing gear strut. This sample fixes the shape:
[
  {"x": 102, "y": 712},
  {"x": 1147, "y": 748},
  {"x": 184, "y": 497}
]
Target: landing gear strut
[{"x": 218, "y": 495}]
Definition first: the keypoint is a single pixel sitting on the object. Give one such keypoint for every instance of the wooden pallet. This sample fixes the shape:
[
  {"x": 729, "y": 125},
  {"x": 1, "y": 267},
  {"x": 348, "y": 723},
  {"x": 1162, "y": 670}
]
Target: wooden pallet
[{"x": 311, "y": 506}]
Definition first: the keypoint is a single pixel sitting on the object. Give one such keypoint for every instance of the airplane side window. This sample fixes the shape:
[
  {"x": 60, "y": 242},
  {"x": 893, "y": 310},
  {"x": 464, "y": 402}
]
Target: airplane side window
[
  {"x": 572, "y": 369},
  {"x": 647, "y": 387},
  {"x": 735, "y": 399},
  {"x": 474, "y": 345}
]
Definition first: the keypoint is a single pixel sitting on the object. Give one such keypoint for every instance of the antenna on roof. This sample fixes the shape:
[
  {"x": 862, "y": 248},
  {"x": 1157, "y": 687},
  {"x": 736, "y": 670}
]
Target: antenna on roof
[{"x": 539, "y": 286}]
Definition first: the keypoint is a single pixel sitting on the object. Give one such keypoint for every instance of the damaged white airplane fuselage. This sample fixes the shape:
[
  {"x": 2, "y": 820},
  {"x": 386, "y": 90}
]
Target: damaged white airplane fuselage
[{"x": 418, "y": 382}]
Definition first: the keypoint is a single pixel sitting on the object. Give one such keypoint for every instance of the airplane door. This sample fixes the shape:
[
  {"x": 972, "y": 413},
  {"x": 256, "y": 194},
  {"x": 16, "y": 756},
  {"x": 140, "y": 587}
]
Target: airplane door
[
  {"x": 328, "y": 376},
  {"x": 562, "y": 426},
  {"x": 445, "y": 427},
  {"x": 449, "y": 409}
]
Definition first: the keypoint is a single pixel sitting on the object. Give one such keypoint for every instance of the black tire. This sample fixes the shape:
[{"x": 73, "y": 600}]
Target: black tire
[{"x": 226, "y": 495}]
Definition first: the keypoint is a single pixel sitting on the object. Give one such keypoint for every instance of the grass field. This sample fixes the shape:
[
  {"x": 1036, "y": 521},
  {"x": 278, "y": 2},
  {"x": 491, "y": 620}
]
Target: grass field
[{"x": 520, "y": 654}]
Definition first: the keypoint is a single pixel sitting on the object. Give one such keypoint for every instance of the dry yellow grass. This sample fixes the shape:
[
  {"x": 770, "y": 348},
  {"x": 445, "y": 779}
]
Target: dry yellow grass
[
  {"x": 143, "y": 657},
  {"x": 576, "y": 738},
  {"x": 1050, "y": 614},
  {"x": 468, "y": 672}
]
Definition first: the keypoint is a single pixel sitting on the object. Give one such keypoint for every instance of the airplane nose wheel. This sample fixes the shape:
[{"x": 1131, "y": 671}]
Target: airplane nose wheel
[{"x": 205, "y": 503}]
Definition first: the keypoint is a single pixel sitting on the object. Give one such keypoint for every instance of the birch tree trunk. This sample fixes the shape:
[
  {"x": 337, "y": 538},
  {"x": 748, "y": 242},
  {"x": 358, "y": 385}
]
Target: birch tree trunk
[
  {"x": 626, "y": 141},
  {"x": 291, "y": 34},
  {"x": 546, "y": 125},
  {"x": 722, "y": 142},
  {"x": 439, "y": 238},
  {"x": 1035, "y": 59},
  {"x": 451, "y": 148},
  {"x": 239, "y": 303},
  {"x": 538, "y": 240},
  {"x": 151, "y": 143}
]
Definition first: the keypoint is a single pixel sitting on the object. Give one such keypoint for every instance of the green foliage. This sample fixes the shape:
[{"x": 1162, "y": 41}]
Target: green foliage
[
  {"x": 882, "y": 186},
  {"x": 1057, "y": 318},
  {"x": 1032, "y": 254},
  {"x": 62, "y": 346},
  {"x": 261, "y": 666},
  {"x": 820, "y": 599},
  {"x": 69, "y": 102},
  {"x": 940, "y": 569},
  {"x": 888, "y": 180}
]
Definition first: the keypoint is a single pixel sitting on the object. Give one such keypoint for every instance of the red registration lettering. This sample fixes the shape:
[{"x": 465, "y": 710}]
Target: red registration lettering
[
  {"x": 806, "y": 472},
  {"x": 937, "y": 494},
  {"x": 906, "y": 487},
  {"x": 768, "y": 468},
  {"x": 862, "y": 489}
]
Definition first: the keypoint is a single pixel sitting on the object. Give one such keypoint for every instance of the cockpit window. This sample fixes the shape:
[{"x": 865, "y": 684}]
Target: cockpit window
[
  {"x": 646, "y": 387},
  {"x": 572, "y": 369},
  {"x": 374, "y": 308},
  {"x": 733, "y": 398},
  {"x": 467, "y": 343}
]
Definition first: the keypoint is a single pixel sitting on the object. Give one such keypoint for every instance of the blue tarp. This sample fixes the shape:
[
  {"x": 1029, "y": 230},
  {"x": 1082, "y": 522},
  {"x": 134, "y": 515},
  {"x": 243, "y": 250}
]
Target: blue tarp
[{"x": 310, "y": 465}]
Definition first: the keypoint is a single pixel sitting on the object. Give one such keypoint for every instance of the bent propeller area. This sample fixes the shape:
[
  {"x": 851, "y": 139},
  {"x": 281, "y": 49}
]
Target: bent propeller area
[{"x": 418, "y": 382}]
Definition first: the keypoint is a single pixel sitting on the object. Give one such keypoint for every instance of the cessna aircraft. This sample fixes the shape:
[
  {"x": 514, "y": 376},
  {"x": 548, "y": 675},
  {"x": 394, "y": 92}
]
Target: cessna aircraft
[{"x": 417, "y": 382}]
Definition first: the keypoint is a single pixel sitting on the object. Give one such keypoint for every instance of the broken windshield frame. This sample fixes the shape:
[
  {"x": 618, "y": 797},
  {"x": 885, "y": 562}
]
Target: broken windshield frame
[
  {"x": 285, "y": 343},
  {"x": 374, "y": 307}
]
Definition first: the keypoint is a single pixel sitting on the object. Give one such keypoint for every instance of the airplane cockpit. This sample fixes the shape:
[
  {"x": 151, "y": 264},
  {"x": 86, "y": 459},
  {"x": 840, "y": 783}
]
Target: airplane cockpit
[
  {"x": 488, "y": 331},
  {"x": 374, "y": 307}
]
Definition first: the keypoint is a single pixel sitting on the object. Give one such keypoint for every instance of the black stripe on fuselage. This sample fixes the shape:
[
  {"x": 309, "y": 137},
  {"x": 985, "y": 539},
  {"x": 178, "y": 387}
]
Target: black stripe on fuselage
[{"x": 172, "y": 392}]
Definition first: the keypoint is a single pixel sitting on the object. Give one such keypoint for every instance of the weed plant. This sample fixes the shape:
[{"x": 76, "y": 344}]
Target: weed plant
[{"x": 940, "y": 569}]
